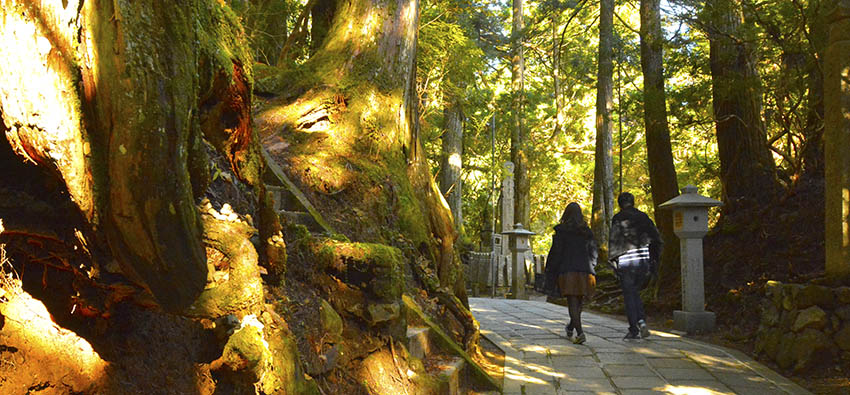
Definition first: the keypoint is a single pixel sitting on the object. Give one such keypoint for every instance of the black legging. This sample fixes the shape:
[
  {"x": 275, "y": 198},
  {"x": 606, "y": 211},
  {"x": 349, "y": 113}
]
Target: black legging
[{"x": 574, "y": 304}]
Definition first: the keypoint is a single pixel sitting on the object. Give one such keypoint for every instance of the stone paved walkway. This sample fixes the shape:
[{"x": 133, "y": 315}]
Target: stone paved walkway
[{"x": 539, "y": 360}]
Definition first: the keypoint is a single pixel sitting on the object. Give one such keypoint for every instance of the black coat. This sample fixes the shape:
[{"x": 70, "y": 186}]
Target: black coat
[
  {"x": 630, "y": 229},
  {"x": 573, "y": 250}
]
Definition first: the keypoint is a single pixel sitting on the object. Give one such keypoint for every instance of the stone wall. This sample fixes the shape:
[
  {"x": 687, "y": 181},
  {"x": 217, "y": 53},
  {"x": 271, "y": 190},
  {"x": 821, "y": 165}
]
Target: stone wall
[
  {"x": 479, "y": 277},
  {"x": 804, "y": 325}
]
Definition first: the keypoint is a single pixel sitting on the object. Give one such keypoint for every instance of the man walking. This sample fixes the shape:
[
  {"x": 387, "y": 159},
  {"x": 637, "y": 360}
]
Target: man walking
[{"x": 634, "y": 248}]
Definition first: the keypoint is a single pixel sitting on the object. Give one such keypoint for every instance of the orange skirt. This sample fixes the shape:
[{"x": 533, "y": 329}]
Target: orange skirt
[{"x": 577, "y": 284}]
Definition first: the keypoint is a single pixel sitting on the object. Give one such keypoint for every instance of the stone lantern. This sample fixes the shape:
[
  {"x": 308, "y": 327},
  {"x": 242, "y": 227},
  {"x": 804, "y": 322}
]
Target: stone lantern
[
  {"x": 690, "y": 223},
  {"x": 519, "y": 245}
]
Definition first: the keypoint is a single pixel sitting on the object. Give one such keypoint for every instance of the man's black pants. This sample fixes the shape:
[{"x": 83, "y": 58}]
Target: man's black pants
[{"x": 632, "y": 281}]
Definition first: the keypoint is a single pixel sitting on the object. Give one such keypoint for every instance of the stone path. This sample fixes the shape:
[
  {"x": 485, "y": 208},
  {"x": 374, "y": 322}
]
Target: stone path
[{"x": 539, "y": 360}]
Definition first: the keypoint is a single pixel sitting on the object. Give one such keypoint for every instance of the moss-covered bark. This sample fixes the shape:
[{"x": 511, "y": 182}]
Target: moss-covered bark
[
  {"x": 350, "y": 136},
  {"x": 126, "y": 91},
  {"x": 119, "y": 99}
]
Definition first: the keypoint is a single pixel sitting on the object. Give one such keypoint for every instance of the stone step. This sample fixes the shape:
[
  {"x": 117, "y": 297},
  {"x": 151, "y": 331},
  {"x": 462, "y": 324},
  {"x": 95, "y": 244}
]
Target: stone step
[
  {"x": 452, "y": 377},
  {"x": 418, "y": 342},
  {"x": 286, "y": 194},
  {"x": 302, "y": 218}
]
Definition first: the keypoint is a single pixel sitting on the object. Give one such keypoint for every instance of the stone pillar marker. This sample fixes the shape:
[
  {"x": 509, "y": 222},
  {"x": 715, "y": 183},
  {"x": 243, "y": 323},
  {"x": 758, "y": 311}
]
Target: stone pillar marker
[
  {"x": 519, "y": 246},
  {"x": 836, "y": 69},
  {"x": 507, "y": 219},
  {"x": 690, "y": 223}
]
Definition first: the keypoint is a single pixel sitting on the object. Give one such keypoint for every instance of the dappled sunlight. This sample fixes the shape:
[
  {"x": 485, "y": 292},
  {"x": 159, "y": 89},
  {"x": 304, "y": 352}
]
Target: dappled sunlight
[
  {"x": 277, "y": 117},
  {"x": 514, "y": 375},
  {"x": 715, "y": 361},
  {"x": 516, "y": 366},
  {"x": 845, "y": 210},
  {"x": 29, "y": 322},
  {"x": 542, "y": 369},
  {"x": 533, "y": 348},
  {"x": 666, "y": 335},
  {"x": 688, "y": 390},
  {"x": 370, "y": 25},
  {"x": 409, "y": 11},
  {"x": 666, "y": 363},
  {"x": 36, "y": 80},
  {"x": 649, "y": 352},
  {"x": 523, "y": 324},
  {"x": 519, "y": 371},
  {"x": 455, "y": 160}
]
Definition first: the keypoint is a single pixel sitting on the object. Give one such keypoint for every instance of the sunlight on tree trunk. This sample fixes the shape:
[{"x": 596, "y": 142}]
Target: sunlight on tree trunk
[
  {"x": 102, "y": 141},
  {"x": 603, "y": 175},
  {"x": 451, "y": 162},
  {"x": 350, "y": 139},
  {"x": 140, "y": 90},
  {"x": 519, "y": 136},
  {"x": 556, "y": 72}
]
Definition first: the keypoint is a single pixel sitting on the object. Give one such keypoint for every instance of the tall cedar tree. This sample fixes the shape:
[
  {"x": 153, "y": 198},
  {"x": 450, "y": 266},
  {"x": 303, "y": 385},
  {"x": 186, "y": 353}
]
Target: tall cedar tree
[
  {"x": 659, "y": 155},
  {"x": 451, "y": 160},
  {"x": 603, "y": 175},
  {"x": 747, "y": 170},
  {"x": 519, "y": 136}
]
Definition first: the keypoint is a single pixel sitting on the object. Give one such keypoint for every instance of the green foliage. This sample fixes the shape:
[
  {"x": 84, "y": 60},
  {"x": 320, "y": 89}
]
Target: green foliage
[
  {"x": 463, "y": 55},
  {"x": 561, "y": 162}
]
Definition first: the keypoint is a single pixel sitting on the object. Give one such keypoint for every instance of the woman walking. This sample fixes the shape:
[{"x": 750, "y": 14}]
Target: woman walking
[{"x": 569, "y": 266}]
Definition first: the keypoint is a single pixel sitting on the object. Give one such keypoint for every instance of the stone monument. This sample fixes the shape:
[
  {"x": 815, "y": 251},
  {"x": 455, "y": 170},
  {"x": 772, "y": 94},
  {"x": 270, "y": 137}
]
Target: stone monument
[
  {"x": 690, "y": 223},
  {"x": 519, "y": 248},
  {"x": 507, "y": 221}
]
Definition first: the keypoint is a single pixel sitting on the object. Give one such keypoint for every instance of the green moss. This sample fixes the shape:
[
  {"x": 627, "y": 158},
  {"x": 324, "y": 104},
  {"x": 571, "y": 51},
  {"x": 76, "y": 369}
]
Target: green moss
[
  {"x": 411, "y": 218},
  {"x": 243, "y": 289},
  {"x": 331, "y": 321},
  {"x": 297, "y": 231},
  {"x": 284, "y": 375},
  {"x": 221, "y": 38},
  {"x": 376, "y": 267},
  {"x": 245, "y": 349}
]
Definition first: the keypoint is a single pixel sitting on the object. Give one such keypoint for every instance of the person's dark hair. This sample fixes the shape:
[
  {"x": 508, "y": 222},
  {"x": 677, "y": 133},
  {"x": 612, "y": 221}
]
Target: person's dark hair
[
  {"x": 572, "y": 216},
  {"x": 626, "y": 200}
]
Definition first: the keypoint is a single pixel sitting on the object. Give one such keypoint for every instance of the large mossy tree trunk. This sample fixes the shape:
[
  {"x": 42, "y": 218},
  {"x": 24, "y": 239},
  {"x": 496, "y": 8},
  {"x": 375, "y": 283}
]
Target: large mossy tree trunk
[
  {"x": 603, "y": 174},
  {"x": 123, "y": 101},
  {"x": 344, "y": 126},
  {"x": 115, "y": 98},
  {"x": 747, "y": 170},
  {"x": 101, "y": 114},
  {"x": 659, "y": 153},
  {"x": 117, "y": 113}
]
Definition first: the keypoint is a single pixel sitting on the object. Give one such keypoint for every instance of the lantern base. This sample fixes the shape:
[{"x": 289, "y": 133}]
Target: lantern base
[{"x": 693, "y": 322}]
